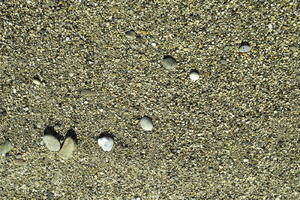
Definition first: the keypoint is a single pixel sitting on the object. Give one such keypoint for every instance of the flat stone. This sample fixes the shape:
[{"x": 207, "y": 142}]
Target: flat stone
[
  {"x": 169, "y": 62},
  {"x": 51, "y": 142},
  {"x": 67, "y": 149},
  {"x": 5, "y": 147},
  {"x": 146, "y": 123},
  {"x": 106, "y": 143}
]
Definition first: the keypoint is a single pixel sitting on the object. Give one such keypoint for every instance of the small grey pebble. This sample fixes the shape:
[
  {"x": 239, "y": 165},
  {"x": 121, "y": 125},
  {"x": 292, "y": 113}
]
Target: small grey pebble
[
  {"x": 245, "y": 47},
  {"x": 18, "y": 156},
  {"x": 146, "y": 123},
  {"x": 131, "y": 34},
  {"x": 5, "y": 147},
  {"x": 169, "y": 62},
  {"x": 51, "y": 142}
]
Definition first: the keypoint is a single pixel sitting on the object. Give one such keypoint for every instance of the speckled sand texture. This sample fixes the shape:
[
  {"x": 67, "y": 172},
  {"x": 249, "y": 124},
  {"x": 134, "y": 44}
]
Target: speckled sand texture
[{"x": 97, "y": 67}]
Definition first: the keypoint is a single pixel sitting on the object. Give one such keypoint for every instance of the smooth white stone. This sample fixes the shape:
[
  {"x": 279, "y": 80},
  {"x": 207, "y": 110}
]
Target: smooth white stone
[
  {"x": 146, "y": 123},
  {"x": 106, "y": 143},
  {"x": 194, "y": 75}
]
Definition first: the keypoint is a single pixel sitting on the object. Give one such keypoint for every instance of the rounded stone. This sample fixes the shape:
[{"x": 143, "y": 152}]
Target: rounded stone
[
  {"x": 67, "y": 149},
  {"x": 169, "y": 62},
  {"x": 194, "y": 75},
  {"x": 245, "y": 47},
  {"x": 131, "y": 34},
  {"x": 51, "y": 142},
  {"x": 106, "y": 143},
  {"x": 146, "y": 123},
  {"x": 36, "y": 82},
  {"x": 5, "y": 147}
]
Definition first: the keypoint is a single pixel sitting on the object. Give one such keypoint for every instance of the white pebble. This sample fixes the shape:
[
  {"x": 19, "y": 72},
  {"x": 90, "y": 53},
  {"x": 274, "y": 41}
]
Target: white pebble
[
  {"x": 36, "y": 82},
  {"x": 146, "y": 123},
  {"x": 194, "y": 75},
  {"x": 245, "y": 47},
  {"x": 106, "y": 143},
  {"x": 51, "y": 142}
]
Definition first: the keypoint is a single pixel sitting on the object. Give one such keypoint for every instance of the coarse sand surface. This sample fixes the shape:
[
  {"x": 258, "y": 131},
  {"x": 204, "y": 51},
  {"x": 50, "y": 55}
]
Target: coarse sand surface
[{"x": 97, "y": 67}]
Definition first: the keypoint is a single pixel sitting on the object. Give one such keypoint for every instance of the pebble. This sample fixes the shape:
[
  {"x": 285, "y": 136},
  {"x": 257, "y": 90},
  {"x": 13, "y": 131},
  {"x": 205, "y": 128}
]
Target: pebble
[
  {"x": 146, "y": 123},
  {"x": 194, "y": 75},
  {"x": 18, "y": 156},
  {"x": 131, "y": 34},
  {"x": 5, "y": 147},
  {"x": 51, "y": 142},
  {"x": 245, "y": 47},
  {"x": 169, "y": 62},
  {"x": 67, "y": 149},
  {"x": 106, "y": 143},
  {"x": 36, "y": 82}
]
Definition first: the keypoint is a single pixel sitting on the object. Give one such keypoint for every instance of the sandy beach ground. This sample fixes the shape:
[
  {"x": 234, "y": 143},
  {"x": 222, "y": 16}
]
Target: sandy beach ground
[{"x": 97, "y": 66}]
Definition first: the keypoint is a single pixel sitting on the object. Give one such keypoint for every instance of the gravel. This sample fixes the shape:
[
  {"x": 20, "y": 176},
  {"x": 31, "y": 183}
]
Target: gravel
[{"x": 244, "y": 107}]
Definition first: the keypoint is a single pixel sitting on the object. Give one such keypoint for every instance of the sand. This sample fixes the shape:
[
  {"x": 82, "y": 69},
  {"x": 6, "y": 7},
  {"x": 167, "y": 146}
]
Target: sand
[{"x": 69, "y": 65}]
